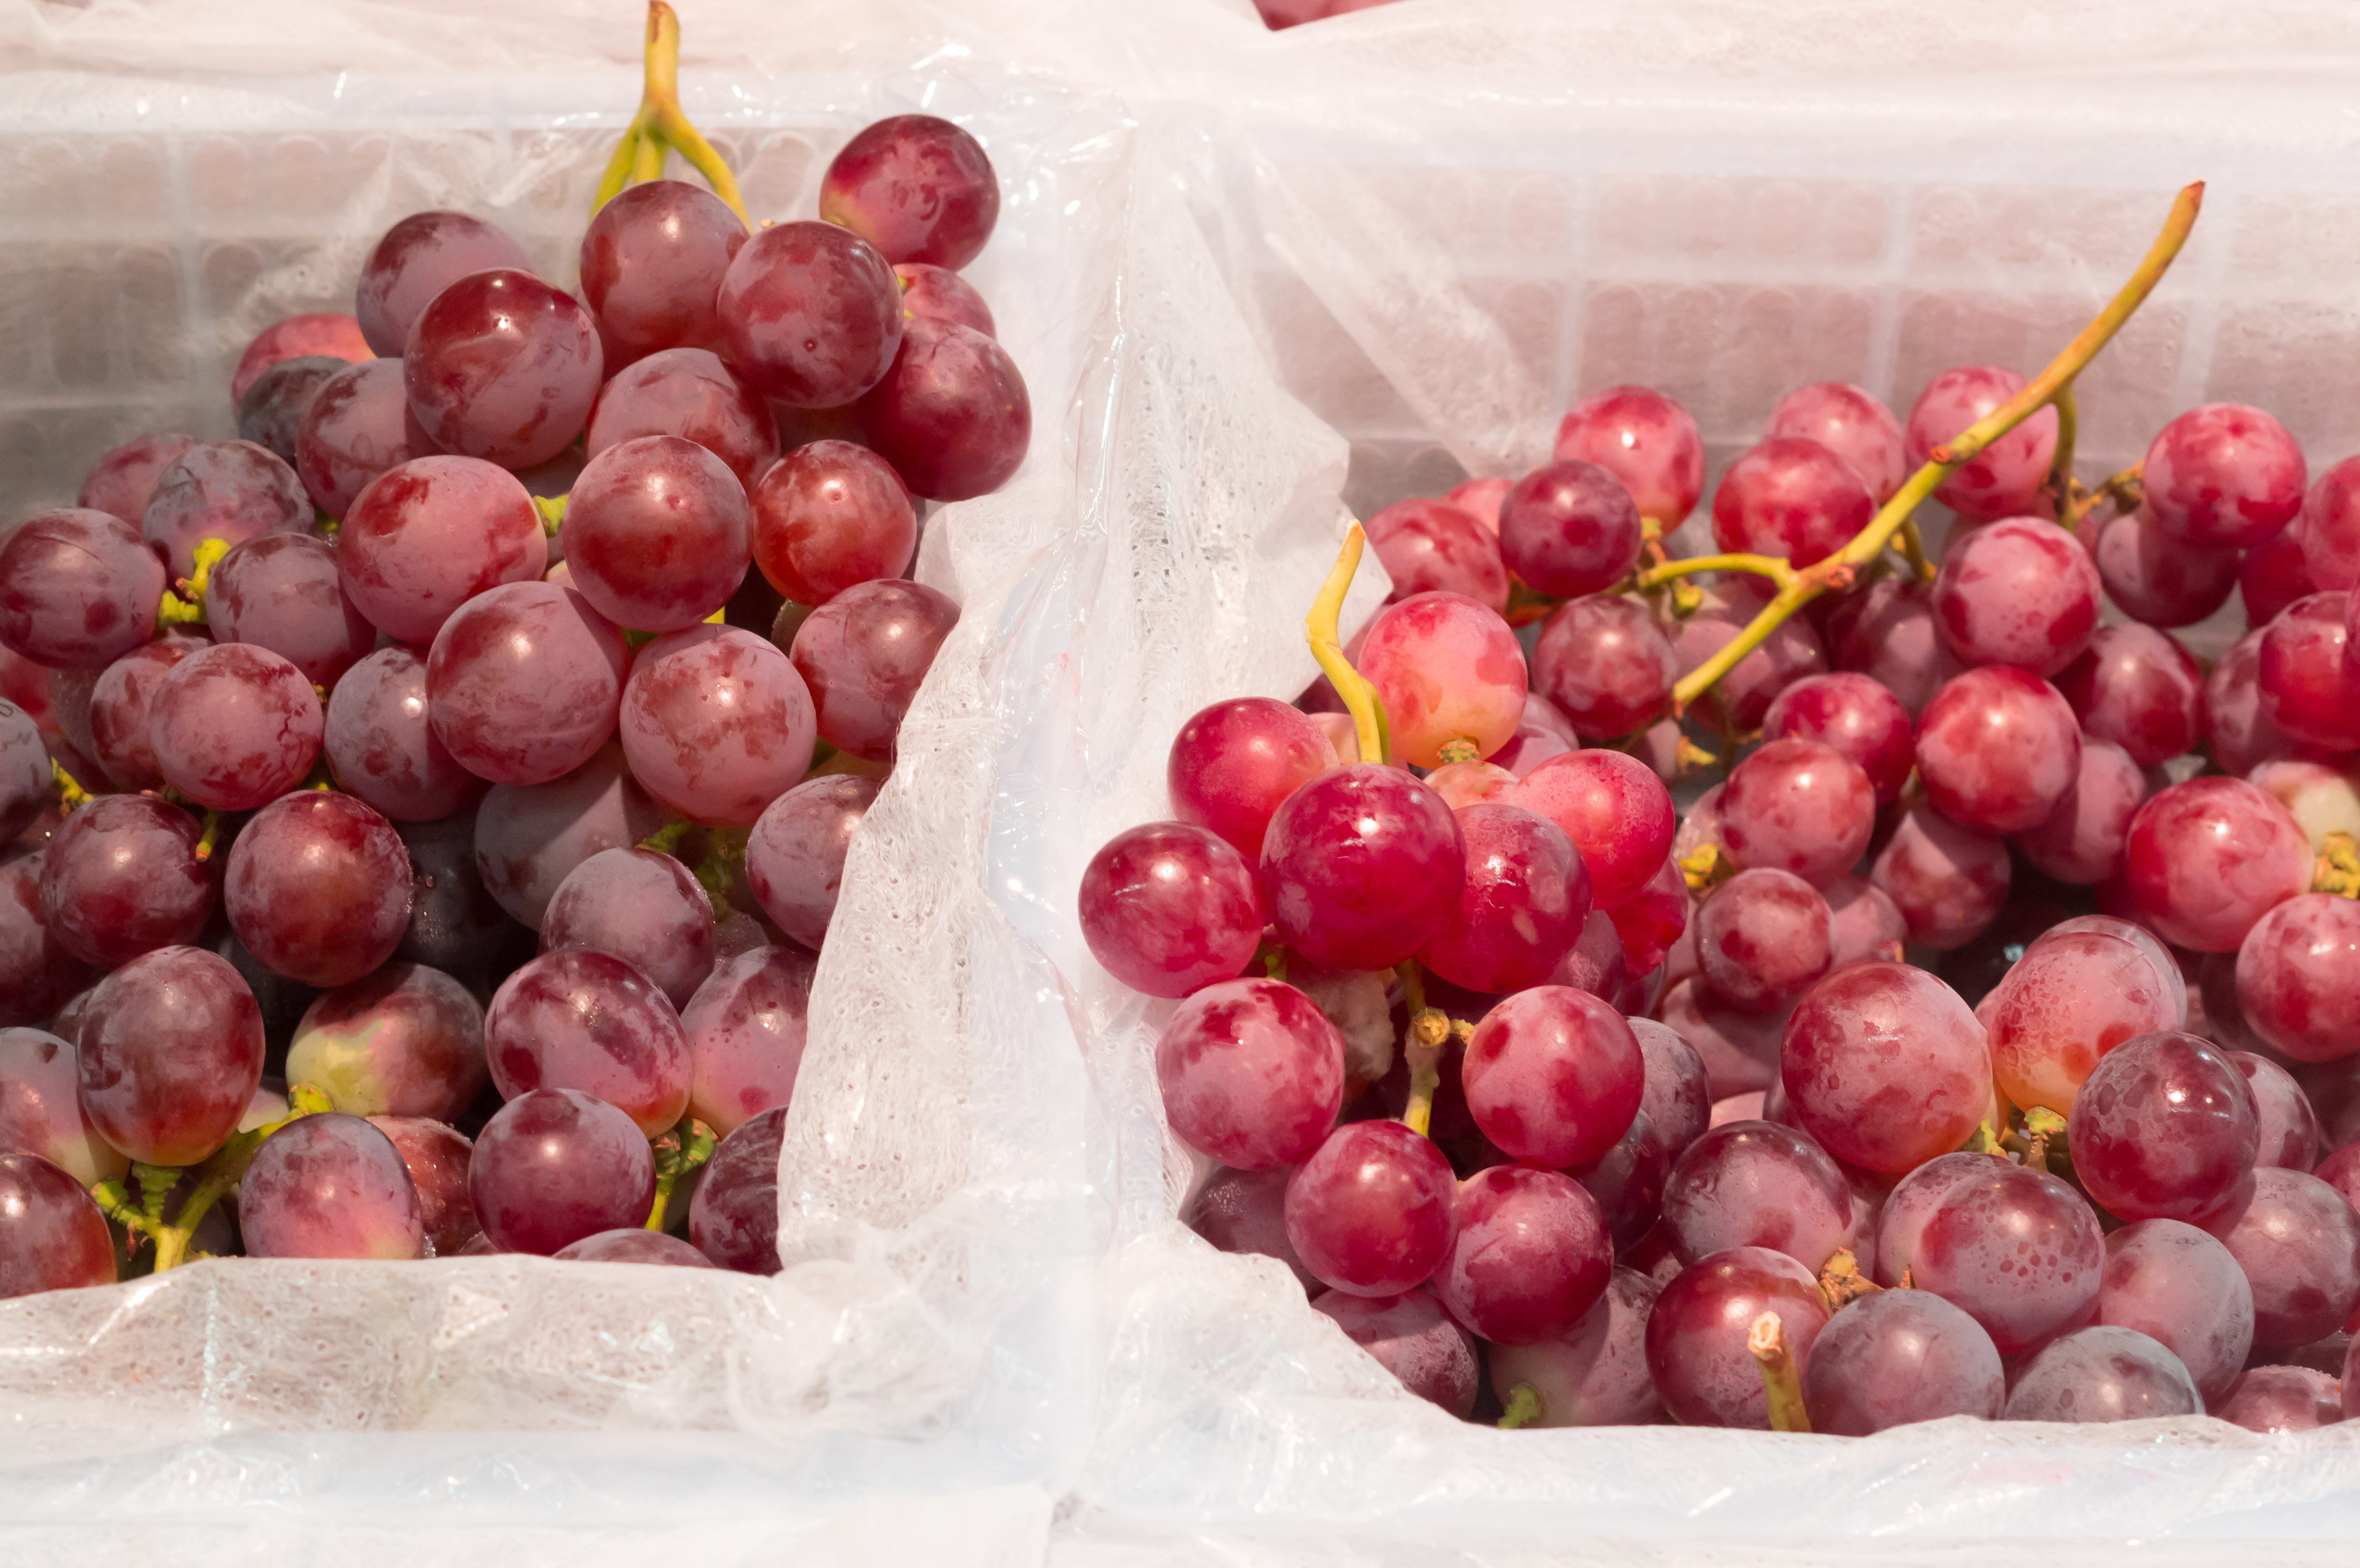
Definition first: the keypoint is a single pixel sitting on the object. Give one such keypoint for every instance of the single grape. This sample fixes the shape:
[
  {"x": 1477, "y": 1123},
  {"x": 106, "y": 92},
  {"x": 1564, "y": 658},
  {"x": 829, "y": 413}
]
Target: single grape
[
  {"x": 829, "y": 516},
  {"x": 2298, "y": 1240},
  {"x": 794, "y": 859},
  {"x": 1570, "y": 528},
  {"x": 271, "y": 411},
  {"x": 1864, "y": 922},
  {"x": 1886, "y": 1066},
  {"x": 2286, "y": 1128},
  {"x": 952, "y": 414},
  {"x": 2181, "y": 1287},
  {"x": 1851, "y": 423},
  {"x": 523, "y": 683},
  {"x": 1912, "y": 1202},
  {"x": 2139, "y": 688},
  {"x": 1362, "y": 867},
  {"x": 633, "y": 1244},
  {"x": 687, "y": 393},
  {"x": 555, "y": 1165},
  {"x": 1524, "y": 902},
  {"x": 2156, "y": 578},
  {"x": 321, "y": 333},
  {"x": 1595, "y": 963},
  {"x": 1644, "y": 439},
  {"x": 651, "y": 263},
  {"x": 657, "y": 533},
  {"x": 1857, "y": 717},
  {"x": 1754, "y": 1183},
  {"x": 406, "y": 1040},
  {"x": 281, "y": 592},
  {"x": 169, "y": 1051},
  {"x": 229, "y": 491},
  {"x": 2016, "y": 1250},
  {"x": 1233, "y": 763},
  {"x": 2163, "y": 1128},
  {"x": 122, "y": 481},
  {"x": 810, "y": 314},
  {"x": 330, "y": 1186},
  {"x": 380, "y": 742},
  {"x": 916, "y": 187},
  {"x": 318, "y": 887},
  {"x": 1948, "y": 882},
  {"x": 1371, "y": 1212},
  {"x": 78, "y": 589},
  {"x": 2207, "y": 859},
  {"x": 1800, "y": 807},
  {"x": 502, "y": 366},
  {"x": 1169, "y": 908},
  {"x": 1553, "y": 1076},
  {"x": 2308, "y": 681},
  {"x": 2021, "y": 592},
  {"x": 1433, "y": 547},
  {"x": 125, "y": 875},
  {"x": 1251, "y": 1074},
  {"x": 2066, "y": 1004},
  {"x": 863, "y": 655},
  {"x": 1791, "y": 496},
  {"x": 1763, "y": 938},
  {"x": 417, "y": 259},
  {"x": 1450, "y": 674},
  {"x": 40, "y": 1108},
  {"x": 2294, "y": 977},
  {"x": 641, "y": 907},
  {"x": 2236, "y": 731},
  {"x": 2223, "y": 476},
  {"x": 1244, "y": 1213},
  {"x": 1604, "y": 660},
  {"x": 1997, "y": 748},
  {"x": 734, "y": 1218},
  {"x": 578, "y": 1020},
  {"x": 1594, "y": 1373},
  {"x": 1697, "y": 1334},
  {"x": 2002, "y": 481},
  {"x": 2282, "y": 1398},
  {"x": 940, "y": 294},
  {"x": 36, "y": 974},
  {"x": 747, "y": 1026},
  {"x": 1678, "y": 1098},
  {"x": 1616, "y": 812},
  {"x": 1529, "y": 1255},
  {"x": 1899, "y": 1358},
  {"x": 1792, "y": 652},
  {"x": 2082, "y": 842},
  {"x": 52, "y": 1237},
  {"x": 2103, "y": 1373},
  {"x": 1411, "y": 1337},
  {"x": 716, "y": 724},
  {"x": 357, "y": 426},
  {"x": 2328, "y": 529},
  {"x": 428, "y": 535},
  {"x": 529, "y": 837},
  {"x": 2274, "y": 576}
]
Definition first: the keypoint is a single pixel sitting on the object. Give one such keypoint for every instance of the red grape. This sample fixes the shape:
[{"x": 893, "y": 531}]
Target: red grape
[
  {"x": 78, "y": 589},
  {"x": 2308, "y": 679},
  {"x": 1528, "y": 1256},
  {"x": 1887, "y": 632},
  {"x": 2223, "y": 476},
  {"x": 828, "y": 516},
  {"x": 502, "y": 366},
  {"x": 1644, "y": 439},
  {"x": 2328, "y": 529},
  {"x": 734, "y": 1218},
  {"x": 1524, "y": 903},
  {"x": 1863, "y": 920},
  {"x": 123, "y": 478},
  {"x": 1799, "y": 806},
  {"x": 316, "y": 334},
  {"x": 1527, "y": 749},
  {"x": 2067, "y": 1002},
  {"x": 1856, "y": 715},
  {"x": 229, "y": 491},
  {"x": 2298, "y": 1240},
  {"x": 2163, "y": 1128},
  {"x": 1233, "y": 763},
  {"x": 2156, "y": 578},
  {"x": 330, "y": 1186},
  {"x": 169, "y": 1051},
  {"x": 1251, "y": 1074},
  {"x": 632, "y": 1245},
  {"x": 1948, "y": 882},
  {"x": 1481, "y": 499},
  {"x": 233, "y": 725},
  {"x": 716, "y": 724},
  {"x": 2081, "y": 841},
  {"x": 1595, "y": 1374},
  {"x": 1788, "y": 654},
  {"x": 2208, "y": 858},
  {"x": 40, "y": 1108},
  {"x": 2139, "y": 688},
  {"x": 1886, "y": 1066},
  {"x": 794, "y": 860},
  {"x": 124, "y": 876},
  {"x": 529, "y": 837},
  {"x": 747, "y": 1026},
  {"x": 942, "y": 295},
  {"x": 863, "y": 655},
  {"x": 1169, "y": 908},
  {"x": 2236, "y": 730},
  {"x": 577, "y": 1019},
  {"x": 951, "y": 414},
  {"x": 406, "y": 1040},
  {"x": 2287, "y": 1130},
  {"x": 357, "y": 426},
  {"x": 1362, "y": 867},
  {"x": 555, "y": 1165},
  {"x": 1570, "y": 528},
  {"x": 1762, "y": 938},
  {"x": 1903, "y": 1357},
  {"x": 428, "y": 535},
  {"x": 1469, "y": 783},
  {"x": 2020, "y": 592},
  {"x": 2181, "y": 1287},
  {"x": 687, "y": 393},
  {"x": 2102, "y": 1375},
  {"x": 1852, "y": 424},
  {"x": 1604, "y": 661},
  {"x": 1677, "y": 1100},
  {"x": 36, "y": 974},
  {"x": 1913, "y": 1201},
  {"x": 1245, "y": 1212},
  {"x": 1594, "y": 963},
  {"x": 652, "y": 260},
  {"x": 2002, "y": 481},
  {"x": 1553, "y": 1076},
  {"x": 1697, "y": 1334},
  {"x": 1650, "y": 920},
  {"x": 1433, "y": 547},
  {"x": 657, "y": 533},
  {"x": 2016, "y": 1249},
  {"x": 318, "y": 887},
  {"x": 281, "y": 592},
  {"x": 2274, "y": 576},
  {"x": 1411, "y": 1337},
  {"x": 382, "y": 747},
  {"x": 810, "y": 314},
  {"x": 1371, "y": 1211},
  {"x": 2283, "y": 1398},
  {"x": 1616, "y": 812},
  {"x": 1791, "y": 496},
  {"x": 52, "y": 1237},
  {"x": 1449, "y": 671},
  {"x": 1997, "y": 748},
  {"x": 2294, "y": 977},
  {"x": 642, "y": 908},
  {"x": 524, "y": 683},
  {"x": 917, "y": 188},
  {"x": 1754, "y": 1183},
  {"x": 417, "y": 259}
]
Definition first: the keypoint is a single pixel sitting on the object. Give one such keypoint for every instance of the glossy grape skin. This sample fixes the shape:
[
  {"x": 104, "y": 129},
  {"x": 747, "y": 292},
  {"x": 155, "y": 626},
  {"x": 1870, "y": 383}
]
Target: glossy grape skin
[
  {"x": 1791, "y": 496},
  {"x": 1851, "y": 423},
  {"x": 330, "y": 1186},
  {"x": 124, "y": 876},
  {"x": 2156, "y": 578},
  {"x": 428, "y": 535},
  {"x": 404, "y": 1040},
  {"x": 2002, "y": 480},
  {"x": 524, "y": 683},
  {"x": 689, "y": 394},
  {"x": 716, "y": 724},
  {"x": 233, "y": 725},
  {"x": 747, "y": 1026},
  {"x": 529, "y": 837},
  {"x": 357, "y": 426},
  {"x": 734, "y": 1217},
  {"x": 1362, "y": 867},
  {"x": 1529, "y": 1255},
  {"x": 1169, "y": 908},
  {"x": 1594, "y": 1373},
  {"x": 1763, "y": 938},
  {"x": 318, "y": 887},
  {"x": 652, "y": 259},
  {"x": 2139, "y": 688},
  {"x": 2067, "y": 1002},
  {"x": 1569, "y": 529},
  {"x": 417, "y": 259},
  {"x": 1553, "y": 1076},
  {"x": 52, "y": 1237},
  {"x": 2307, "y": 679},
  {"x": 1644, "y": 439},
  {"x": 810, "y": 314},
  {"x": 1903, "y": 1357},
  {"x": 230, "y": 491},
  {"x": 40, "y": 1108},
  {"x": 1251, "y": 1074},
  {"x": 2207, "y": 859},
  {"x": 2298, "y": 1240},
  {"x": 2237, "y": 731},
  {"x": 1232, "y": 764},
  {"x": 1595, "y": 963},
  {"x": 381, "y": 743},
  {"x": 36, "y": 974},
  {"x": 169, "y": 1052},
  {"x": 2021, "y": 592},
  {"x": 942, "y": 295},
  {"x": 828, "y": 516},
  {"x": 863, "y": 655},
  {"x": 2016, "y": 1250},
  {"x": 1613, "y": 808},
  {"x": 1447, "y": 670},
  {"x": 952, "y": 415},
  {"x": 1429, "y": 546},
  {"x": 1912, "y": 1202},
  {"x": 2163, "y": 1128},
  {"x": 123, "y": 478},
  {"x": 1857, "y": 717},
  {"x": 1678, "y": 1099},
  {"x": 1800, "y": 807},
  {"x": 1372, "y": 1212},
  {"x": 326, "y": 335},
  {"x": 1757, "y": 1185},
  {"x": 1997, "y": 748},
  {"x": 2282, "y": 1398},
  {"x": 281, "y": 592},
  {"x": 1604, "y": 662},
  {"x": 1524, "y": 901},
  {"x": 2181, "y": 1288},
  {"x": 502, "y": 366},
  {"x": 2103, "y": 1373},
  {"x": 1697, "y": 1334},
  {"x": 1886, "y": 1066},
  {"x": 2295, "y": 971},
  {"x": 2223, "y": 476},
  {"x": 578, "y": 1020},
  {"x": 2328, "y": 529},
  {"x": 1411, "y": 1336},
  {"x": 918, "y": 187},
  {"x": 2286, "y": 1128},
  {"x": 2274, "y": 575},
  {"x": 1793, "y": 652},
  {"x": 1948, "y": 882},
  {"x": 1887, "y": 632},
  {"x": 555, "y": 1165},
  {"x": 644, "y": 909},
  {"x": 794, "y": 859},
  {"x": 78, "y": 589},
  {"x": 657, "y": 533},
  {"x": 1244, "y": 1213}
]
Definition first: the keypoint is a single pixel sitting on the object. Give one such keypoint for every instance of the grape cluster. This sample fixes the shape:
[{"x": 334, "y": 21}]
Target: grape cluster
[
  {"x": 1968, "y": 1047},
  {"x": 417, "y": 823}
]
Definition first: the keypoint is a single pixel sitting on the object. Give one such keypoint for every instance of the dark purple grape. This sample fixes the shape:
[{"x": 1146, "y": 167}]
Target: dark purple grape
[
  {"x": 271, "y": 411},
  {"x": 652, "y": 260},
  {"x": 78, "y": 589},
  {"x": 125, "y": 875},
  {"x": 428, "y": 535},
  {"x": 951, "y": 414},
  {"x": 282, "y": 592},
  {"x": 917, "y": 188},
  {"x": 316, "y": 334},
  {"x": 688, "y": 393},
  {"x": 455, "y": 924},
  {"x": 1902, "y": 1356},
  {"x": 437, "y": 1156},
  {"x": 716, "y": 724},
  {"x": 330, "y": 1186},
  {"x": 230, "y": 491},
  {"x": 36, "y": 974},
  {"x": 794, "y": 858},
  {"x": 406, "y": 1040},
  {"x": 734, "y": 1218},
  {"x": 358, "y": 425},
  {"x": 523, "y": 683},
  {"x": 52, "y": 1237},
  {"x": 554, "y": 1166},
  {"x": 747, "y": 1025},
  {"x": 502, "y": 366},
  {"x": 169, "y": 1053},
  {"x": 381, "y": 742},
  {"x": 642, "y": 908},
  {"x": 529, "y": 837},
  {"x": 811, "y": 314},
  {"x": 863, "y": 655},
  {"x": 2103, "y": 1373},
  {"x": 579, "y": 1019},
  {"x": 640, "y": 1245},
  {"x": 318, "y": 887}
]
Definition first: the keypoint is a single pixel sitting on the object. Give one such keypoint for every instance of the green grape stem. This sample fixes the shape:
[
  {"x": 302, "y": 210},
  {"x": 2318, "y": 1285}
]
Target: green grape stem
[{"x": 661, "y": 125}]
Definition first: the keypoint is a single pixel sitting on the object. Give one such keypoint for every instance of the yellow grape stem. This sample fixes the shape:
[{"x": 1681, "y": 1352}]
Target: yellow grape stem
[
  {"x": 1319, "y": 631},
  {"x": 661, "y": 125}
]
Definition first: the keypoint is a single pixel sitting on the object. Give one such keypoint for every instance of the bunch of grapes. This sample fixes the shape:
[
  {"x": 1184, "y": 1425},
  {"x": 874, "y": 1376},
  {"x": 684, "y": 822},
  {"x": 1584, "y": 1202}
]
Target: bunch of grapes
[
  {"x": 1969, "y": 1047},
  {"x": 417, "y": 822}
]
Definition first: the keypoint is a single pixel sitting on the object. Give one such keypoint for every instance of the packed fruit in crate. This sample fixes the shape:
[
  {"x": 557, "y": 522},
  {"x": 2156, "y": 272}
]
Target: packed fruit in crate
[
  {"x": 1969, "y": 1047},
  {"x": 419, "y": 822}
]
